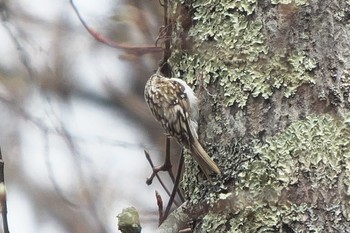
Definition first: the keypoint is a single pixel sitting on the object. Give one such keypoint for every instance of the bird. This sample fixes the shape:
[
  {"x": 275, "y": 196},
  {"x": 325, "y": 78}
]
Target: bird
[{"x": 175, "y": 106}]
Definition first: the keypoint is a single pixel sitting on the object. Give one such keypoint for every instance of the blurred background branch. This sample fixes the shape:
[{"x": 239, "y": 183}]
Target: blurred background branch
[
  {"x": 73, "y": 115},
  {"x": 136, "y": 50}
]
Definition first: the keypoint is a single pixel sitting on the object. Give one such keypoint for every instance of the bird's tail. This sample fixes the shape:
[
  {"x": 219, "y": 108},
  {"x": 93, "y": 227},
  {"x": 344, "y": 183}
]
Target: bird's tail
[{"x": 205, "y": 162}]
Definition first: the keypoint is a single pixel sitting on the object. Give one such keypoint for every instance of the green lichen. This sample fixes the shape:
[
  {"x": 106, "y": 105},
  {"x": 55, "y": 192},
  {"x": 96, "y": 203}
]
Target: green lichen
[
  {"x": 308, "y": 157},
  {"x": 317, "y": 145},
  {"x": 213, "y": 223},
  {"x": 298, "y": 177},
  {"x": 197, "y": 188},
  {"x": 230, "y": 50},
  {"x": 262, "y": 219}
]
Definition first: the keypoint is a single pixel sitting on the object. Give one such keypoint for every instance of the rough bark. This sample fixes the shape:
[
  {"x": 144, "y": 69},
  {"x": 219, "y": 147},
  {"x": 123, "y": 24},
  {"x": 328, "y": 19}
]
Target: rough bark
[{"x": 273, "y": 79}]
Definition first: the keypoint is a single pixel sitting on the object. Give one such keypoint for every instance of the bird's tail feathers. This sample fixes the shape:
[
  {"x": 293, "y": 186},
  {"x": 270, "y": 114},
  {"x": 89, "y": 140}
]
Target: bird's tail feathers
[{"x": 205, "y": 162}]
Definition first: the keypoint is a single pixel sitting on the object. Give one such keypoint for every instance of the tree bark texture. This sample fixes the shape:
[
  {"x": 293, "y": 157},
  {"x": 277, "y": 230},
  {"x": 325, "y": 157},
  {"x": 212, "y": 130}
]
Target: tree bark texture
[{"x": 273, "y": 77}]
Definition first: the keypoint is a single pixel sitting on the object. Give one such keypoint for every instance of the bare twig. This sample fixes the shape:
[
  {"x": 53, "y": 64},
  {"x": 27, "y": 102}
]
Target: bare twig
[
  {"x": 165, "y": 33},
  {"x": 168, "y": 31},
  {"x": 160, "y": 207},
  {"x": 170, "y": 171},
  {"x": 127, "y": 48},
  {"x": 175, "y": 188},
  {"x": 167, "y": 162},
  {"x": 166, "y": 166},
  {"x": 148, "y": 181},
  {"x": 3, "y": 201},
  {"x": 154, "y": 174}
]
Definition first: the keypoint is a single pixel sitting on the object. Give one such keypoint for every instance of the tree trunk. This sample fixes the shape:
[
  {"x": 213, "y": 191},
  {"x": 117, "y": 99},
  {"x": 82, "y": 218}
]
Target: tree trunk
[{"x": 273, "y": 78}]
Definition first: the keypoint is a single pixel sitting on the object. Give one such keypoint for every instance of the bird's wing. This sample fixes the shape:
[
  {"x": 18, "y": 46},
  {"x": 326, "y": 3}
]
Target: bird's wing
[
  {"x": 198, "y": 153},
  {"x": 168, "y": 103}
]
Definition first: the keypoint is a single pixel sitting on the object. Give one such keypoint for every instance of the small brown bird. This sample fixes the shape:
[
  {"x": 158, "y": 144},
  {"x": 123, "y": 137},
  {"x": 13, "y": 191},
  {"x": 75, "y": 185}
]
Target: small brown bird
[{"x": 174, "y": 105}]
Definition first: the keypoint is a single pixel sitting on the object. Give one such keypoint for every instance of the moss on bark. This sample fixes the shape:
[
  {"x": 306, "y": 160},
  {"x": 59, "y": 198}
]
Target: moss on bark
[{"x": 273, "y": 79}]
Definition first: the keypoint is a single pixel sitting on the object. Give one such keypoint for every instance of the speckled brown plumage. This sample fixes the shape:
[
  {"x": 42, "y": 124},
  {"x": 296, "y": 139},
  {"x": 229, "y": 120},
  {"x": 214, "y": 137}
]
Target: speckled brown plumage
[{"x": 174, "y": 105}]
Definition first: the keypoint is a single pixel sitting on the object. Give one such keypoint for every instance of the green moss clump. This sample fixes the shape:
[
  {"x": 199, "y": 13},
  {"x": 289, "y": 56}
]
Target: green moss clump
[{"x": 129, "y": 221}]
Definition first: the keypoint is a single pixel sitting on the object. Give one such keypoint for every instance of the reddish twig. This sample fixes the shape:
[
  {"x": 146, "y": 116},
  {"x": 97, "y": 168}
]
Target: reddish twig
[
  {"x": 160, "y": 207},
  {"x": 137, "y": 50}
]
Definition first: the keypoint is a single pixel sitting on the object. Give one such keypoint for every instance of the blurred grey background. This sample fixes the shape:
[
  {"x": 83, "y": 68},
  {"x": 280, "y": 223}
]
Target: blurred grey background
[{"x": 73, "y": 123}]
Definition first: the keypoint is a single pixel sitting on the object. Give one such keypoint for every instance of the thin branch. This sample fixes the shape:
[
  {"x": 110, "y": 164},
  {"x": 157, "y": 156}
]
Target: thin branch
[
  {"x": 176, "y": 185},
  {"x": 70, "y": 143},
  {"x": 170, "y": 171},
  {"x": 148, "y": 157},
  {"x": 127, "y": 48},
  {"x": 51, "y": 174},
  {"x": 39, "y": 123},
  {"x": 176, "y": 221},
  {"x": 168, "y": 32},
  {"x": 167, "y": 159},
  {"x": 3, "y": 201},
  {"x": 160, "y": 207},
  {"x": 22, "y": 53}
]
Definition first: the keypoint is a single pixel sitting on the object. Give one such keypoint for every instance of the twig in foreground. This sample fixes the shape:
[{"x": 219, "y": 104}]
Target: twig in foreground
[
  {"x": 160, "y": 207},
  {"x": 3, "y": 195}
]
